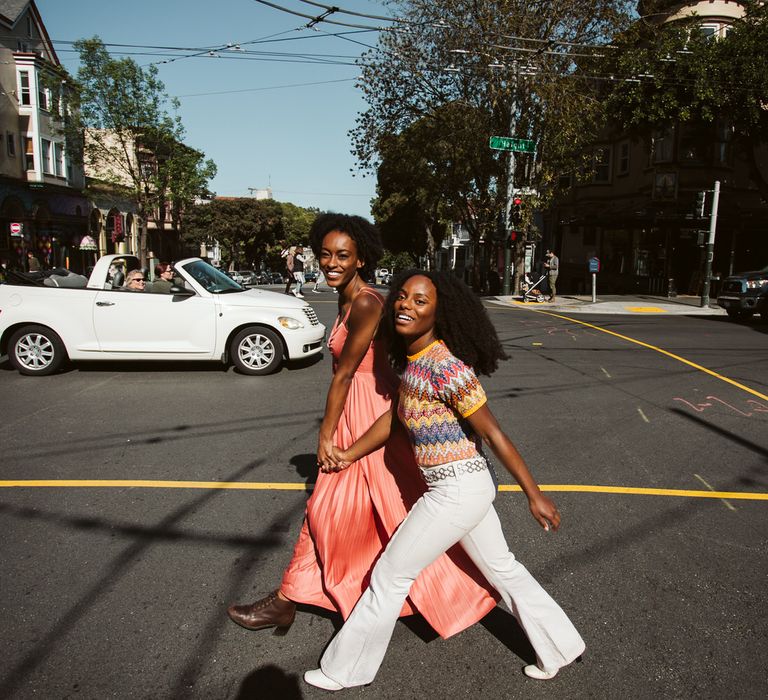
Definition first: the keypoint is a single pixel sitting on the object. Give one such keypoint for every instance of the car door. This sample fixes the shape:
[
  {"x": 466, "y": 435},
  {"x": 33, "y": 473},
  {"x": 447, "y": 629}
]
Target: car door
[{"x": 155, "y": 326}]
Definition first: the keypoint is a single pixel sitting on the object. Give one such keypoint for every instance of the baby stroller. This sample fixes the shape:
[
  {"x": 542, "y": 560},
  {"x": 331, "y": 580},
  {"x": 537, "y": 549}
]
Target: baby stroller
[{"x": 531, "y": 292}]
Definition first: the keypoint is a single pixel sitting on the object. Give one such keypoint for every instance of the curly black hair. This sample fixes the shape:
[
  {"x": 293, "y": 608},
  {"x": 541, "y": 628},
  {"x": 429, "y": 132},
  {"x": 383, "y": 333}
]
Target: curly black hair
[
  {"x": 461, "y": 322},
  {"x": 365, "y": 235}
]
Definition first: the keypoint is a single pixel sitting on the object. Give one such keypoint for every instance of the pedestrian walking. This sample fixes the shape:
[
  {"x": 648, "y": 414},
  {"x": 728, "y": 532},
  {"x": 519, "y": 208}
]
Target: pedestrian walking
[
  {"x": 440, "y": 336},
  {"x": 552, "y": 266},
  {"x": 298, "y": 271},
  {"x": 318, "y": 281},
  {"x": 352, "y": 514},
  {"x": 287, "y": 255}
]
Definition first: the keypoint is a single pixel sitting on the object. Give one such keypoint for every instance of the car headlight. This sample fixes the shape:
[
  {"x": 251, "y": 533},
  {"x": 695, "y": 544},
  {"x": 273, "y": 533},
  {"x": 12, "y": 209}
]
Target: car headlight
[
  {"x": 756, "y": 284},
  {"x": 290, "y": 323}
]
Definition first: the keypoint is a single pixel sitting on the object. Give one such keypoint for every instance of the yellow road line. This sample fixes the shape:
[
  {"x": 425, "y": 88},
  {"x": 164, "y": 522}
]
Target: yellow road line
[
  {"x": 292, "y": 486},
  {"x": 710, "y": 372}
]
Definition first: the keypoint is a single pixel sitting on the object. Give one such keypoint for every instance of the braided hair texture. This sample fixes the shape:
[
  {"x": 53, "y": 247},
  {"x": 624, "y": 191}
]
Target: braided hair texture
[
  {"x": 365, "y": 235},
  {"x": 461, "y": 322}
]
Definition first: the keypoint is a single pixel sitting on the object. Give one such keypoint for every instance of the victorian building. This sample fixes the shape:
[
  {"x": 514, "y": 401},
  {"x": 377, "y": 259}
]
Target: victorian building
[
  {"x": 42, "y": 207},
  {"x": 637, "y": 212}
]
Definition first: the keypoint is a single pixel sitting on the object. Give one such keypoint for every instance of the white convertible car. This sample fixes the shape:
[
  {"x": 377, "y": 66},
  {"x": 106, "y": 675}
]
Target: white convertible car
[{"x": 48, "y": 317}]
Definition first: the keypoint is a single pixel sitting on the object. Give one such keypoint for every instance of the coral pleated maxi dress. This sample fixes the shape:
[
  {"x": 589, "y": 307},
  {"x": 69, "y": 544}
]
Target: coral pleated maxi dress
[{"x": 352, "y": 514}]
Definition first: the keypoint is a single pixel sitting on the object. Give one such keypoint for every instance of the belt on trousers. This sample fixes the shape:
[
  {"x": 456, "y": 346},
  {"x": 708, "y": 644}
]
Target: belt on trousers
[{"x": 454, "y": 469}]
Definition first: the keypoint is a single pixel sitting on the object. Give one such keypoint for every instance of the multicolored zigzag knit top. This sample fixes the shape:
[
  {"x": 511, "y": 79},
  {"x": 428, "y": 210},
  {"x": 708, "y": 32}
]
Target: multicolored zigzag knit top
[{"x": 437, "y": 391}]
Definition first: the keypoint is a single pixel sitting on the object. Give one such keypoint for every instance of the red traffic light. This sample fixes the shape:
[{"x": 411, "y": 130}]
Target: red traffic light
[
  {"x": 517, "y": 201},
  {"x": 513, "y": 235}
]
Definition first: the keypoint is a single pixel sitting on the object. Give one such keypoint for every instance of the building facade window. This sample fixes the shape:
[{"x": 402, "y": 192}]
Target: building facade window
[
  {"x": 58, "y": 159},
  {"x": 29, "y": 153},
  {"x": 709, "y": 31},
  {"x": 695, "y": 145},
  {"x": 47, "y": 156},
  {"x": 25, "y": 96},
  {"x": 10, "y": 144},
  {"x": 601, "y": 165},
  {"x": 662, "y": 145},
  {"x": 623, "y": 159},
  {"x": 665, "y": 186},
  {"x": 724, "y": 133},
  {"x": 43, "y": 98}
]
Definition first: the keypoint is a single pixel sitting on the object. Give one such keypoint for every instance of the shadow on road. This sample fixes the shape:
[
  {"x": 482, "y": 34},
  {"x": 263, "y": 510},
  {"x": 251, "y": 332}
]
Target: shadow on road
[
  {"x": 270, "y": 682},
  {"x": 143, "y": 539}
]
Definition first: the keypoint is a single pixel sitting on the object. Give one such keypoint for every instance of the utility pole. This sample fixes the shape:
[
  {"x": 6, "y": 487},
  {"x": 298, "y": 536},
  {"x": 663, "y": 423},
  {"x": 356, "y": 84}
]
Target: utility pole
[
  {"x": 510, "y": 192},
  {"x": 710, "y": 246}
]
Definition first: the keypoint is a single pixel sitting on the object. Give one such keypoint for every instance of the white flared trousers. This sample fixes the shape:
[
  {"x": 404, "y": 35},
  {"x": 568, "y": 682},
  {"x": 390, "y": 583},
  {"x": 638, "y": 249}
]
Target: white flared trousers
[{"x": 454, "y": 509}]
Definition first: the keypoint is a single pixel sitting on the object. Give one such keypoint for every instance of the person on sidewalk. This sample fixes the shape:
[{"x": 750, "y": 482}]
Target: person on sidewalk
[
  {"x": 440, "y": 335},
  {"x": 552, "y": 266},
  {"x": 298, "y": 271}
]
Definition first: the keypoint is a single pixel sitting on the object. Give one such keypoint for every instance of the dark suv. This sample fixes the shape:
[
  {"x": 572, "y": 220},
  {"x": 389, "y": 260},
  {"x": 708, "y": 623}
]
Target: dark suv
[{"x": 745, "y": 294}]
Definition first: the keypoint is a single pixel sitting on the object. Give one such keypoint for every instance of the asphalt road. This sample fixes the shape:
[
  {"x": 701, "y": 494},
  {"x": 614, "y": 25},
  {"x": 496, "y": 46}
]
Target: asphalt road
[{"x": 120, "y": 592}]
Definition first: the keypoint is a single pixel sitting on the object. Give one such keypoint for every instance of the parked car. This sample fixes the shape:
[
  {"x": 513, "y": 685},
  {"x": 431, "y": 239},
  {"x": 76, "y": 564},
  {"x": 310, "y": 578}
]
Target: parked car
[
  {"x": 248, "y": 277},
  {"x": 276, "y": 278},
  {"x": 48, "y": 317},
  {"x": 745, "y": 294},
  {"x": 310, "y": 276},
  {"x": 235, "y": 276}
]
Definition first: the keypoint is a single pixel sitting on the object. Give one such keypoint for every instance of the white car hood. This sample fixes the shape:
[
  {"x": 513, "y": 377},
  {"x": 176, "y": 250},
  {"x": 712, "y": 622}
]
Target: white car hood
[{"x": 263, "y": 299}]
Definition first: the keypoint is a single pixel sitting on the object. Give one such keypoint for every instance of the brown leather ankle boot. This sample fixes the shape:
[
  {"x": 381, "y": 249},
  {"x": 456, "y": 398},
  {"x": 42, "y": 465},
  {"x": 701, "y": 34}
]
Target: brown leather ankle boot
[{"x": 271, "y": 611}]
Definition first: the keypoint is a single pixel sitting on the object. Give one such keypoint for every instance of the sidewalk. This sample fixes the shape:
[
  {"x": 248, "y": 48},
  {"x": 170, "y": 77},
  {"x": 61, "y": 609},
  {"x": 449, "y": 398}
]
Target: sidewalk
[{"x": 645, "y": 304}]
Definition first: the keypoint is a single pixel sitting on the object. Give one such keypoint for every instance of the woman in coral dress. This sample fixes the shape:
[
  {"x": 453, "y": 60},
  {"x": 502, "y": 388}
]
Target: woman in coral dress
[{"x": 352, "y": 514}]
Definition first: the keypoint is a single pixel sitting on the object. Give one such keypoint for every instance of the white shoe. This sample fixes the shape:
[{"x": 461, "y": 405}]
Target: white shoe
[
  {"x": 533, "y": 671},
  {"x": 320, "y": 680},
  {"x": 316, "y": 291}
]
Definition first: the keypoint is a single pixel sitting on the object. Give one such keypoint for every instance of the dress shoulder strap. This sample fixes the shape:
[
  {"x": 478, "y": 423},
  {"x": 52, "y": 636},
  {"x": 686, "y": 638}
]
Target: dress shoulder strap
[{"x": 374, "y": 294}]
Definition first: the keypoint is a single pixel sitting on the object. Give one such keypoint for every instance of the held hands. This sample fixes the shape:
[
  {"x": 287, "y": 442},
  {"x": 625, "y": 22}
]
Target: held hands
[
  {"x": 334, "y": 460},
  {"x": 545, "y": 511}
]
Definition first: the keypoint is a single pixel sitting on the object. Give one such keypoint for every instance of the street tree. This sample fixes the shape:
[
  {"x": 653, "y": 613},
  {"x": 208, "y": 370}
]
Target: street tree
[
  {"x": 507, "y": 67},
  {"x": 668, "y": 73},
  {"x": 245, "y": 228},
  {"x": 116, "y": 116}
]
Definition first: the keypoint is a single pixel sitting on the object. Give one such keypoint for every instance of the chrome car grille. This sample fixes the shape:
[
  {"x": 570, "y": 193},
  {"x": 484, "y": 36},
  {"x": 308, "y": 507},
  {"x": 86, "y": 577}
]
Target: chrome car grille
[{"x": 311, "y": 315}]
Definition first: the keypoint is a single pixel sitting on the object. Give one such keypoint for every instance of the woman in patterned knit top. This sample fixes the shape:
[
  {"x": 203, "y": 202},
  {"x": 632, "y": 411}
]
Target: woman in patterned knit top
[{"x": 440, "y": 336}]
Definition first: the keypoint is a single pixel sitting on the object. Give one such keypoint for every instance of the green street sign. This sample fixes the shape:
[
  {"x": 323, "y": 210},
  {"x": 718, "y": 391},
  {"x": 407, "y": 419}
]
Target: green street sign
[{"x": 506, "y": 143}]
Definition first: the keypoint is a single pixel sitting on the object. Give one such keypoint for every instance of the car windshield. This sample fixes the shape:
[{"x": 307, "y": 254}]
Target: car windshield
[{"x": 211, "y": 279}]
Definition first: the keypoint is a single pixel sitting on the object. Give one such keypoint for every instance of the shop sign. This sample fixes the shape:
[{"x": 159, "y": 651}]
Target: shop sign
[{"x": 16, "y": 228}]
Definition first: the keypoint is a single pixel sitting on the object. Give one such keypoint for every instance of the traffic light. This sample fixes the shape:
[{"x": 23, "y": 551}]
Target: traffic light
[
  {"x": 701, "y": 201},
  {"x": 517, "y": 211}
]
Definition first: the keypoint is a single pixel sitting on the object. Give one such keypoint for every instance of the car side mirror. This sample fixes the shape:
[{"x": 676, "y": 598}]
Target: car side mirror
[{"x": 181, "y": 291}]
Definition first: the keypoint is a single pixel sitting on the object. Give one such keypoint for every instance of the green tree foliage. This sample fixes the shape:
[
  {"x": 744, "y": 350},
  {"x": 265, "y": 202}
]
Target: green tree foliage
[
  {"x": 456, "y": 72},
  {"x": 117, "y": 118},
  {"x": 249, "y": 231},
  {"x": 668, "y": 73}
]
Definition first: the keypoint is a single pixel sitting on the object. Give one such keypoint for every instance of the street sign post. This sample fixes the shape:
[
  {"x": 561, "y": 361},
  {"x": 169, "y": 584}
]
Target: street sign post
[
  {"x": 507, "y": 143},
  {"x": 594, "y": 268}
]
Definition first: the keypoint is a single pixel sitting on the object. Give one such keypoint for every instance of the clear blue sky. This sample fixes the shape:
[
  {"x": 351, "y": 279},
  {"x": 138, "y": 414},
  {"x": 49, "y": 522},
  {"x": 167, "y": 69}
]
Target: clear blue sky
[{"x": 258, "y": 132}]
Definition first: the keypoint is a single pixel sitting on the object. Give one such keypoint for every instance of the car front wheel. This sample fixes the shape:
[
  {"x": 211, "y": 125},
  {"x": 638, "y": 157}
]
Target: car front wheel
[
  {"x": 256, "y": 350},
  {"x": 36, "y": 350}
]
